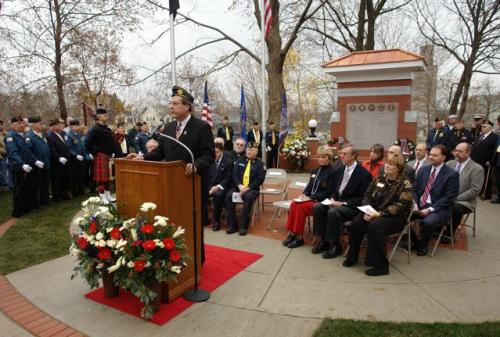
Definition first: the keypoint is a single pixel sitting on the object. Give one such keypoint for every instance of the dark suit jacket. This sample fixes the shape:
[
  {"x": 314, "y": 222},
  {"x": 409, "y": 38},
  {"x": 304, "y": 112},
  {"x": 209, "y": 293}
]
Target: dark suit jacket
[
  {"x": 221, "y": 175},
  {"x": 444, "y": 190},
  {"x": 442, "y": 137},
  {"x": 221, "y": 132},
  {"x": 482, "y": 151},
  {"x": 321, "y": 180},
  {"x": 257, "y": 173},
  {"x": 58, "y": 147},
  {"x": 251, "y": 138},
  {"x": 197, "y": 136},
  {"x": 496, "y": 154},
  {"x": 355, "y": 189},
  {"x": 269, "y": 139}
]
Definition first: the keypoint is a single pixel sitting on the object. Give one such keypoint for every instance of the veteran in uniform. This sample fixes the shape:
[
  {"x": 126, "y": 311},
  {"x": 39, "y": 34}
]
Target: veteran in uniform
[
  {"x": 59, "y": 150},
  {"x": 438, "y": 134},
  {"x": 255, "y": 136},
  {"x": 226, "y": 132},
  {"x": 248, "y": 175},
  {"x": 76, "y": 144},
  {"x": 272, "y": 142}
]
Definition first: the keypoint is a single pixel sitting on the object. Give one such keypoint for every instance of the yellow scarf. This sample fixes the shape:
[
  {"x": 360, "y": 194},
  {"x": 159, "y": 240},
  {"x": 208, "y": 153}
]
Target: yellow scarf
[
  {"x": 246, "y": 174},
  {"x": 228, "y": 135},
  {"x": 274, "y": 138}
]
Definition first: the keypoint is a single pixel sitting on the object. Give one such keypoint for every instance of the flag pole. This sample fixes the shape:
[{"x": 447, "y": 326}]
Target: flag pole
[
  {"x": 172, "y": 49},
  {"x": 263, "y": 76}
]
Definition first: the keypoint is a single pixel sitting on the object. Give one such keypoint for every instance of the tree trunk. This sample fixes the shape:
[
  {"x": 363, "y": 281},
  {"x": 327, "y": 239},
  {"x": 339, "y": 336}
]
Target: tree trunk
[
  {"x": 370, "y": 35},
  {"x": 58, "y": 61},
  {"x": 465, "y": 94},
  {"x": 456, "y": 96},
  {"x": 361, "y": 26}
]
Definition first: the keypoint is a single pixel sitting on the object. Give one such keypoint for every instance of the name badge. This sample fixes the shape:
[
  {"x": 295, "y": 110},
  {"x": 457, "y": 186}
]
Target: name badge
[
  {"x": 241, "y": 164},
  {"x": 380, "y": 185},
  {"x": 313, "y": 176}
]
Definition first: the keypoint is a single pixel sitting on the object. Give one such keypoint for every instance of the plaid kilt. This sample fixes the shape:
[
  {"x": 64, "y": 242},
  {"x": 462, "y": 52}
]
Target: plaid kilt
[{"x": 101, "y": 168}]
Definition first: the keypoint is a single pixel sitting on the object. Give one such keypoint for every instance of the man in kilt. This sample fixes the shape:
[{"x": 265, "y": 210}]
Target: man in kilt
[{"x": 102, "y": 145}]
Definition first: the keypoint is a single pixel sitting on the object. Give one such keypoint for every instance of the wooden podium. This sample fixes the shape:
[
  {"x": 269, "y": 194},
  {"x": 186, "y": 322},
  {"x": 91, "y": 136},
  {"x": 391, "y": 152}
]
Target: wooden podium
[{"x": 166, "y": 185}]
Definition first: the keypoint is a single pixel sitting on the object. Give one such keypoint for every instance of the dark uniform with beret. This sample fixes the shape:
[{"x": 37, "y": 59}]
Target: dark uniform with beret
[
  {"x": 76, "y": 145},
  {"x": 21, "y": 162},
  {"x": 60, "y": 173},
  {"x": 272, "y": 142},
  {"x": 41, "y": 175}
]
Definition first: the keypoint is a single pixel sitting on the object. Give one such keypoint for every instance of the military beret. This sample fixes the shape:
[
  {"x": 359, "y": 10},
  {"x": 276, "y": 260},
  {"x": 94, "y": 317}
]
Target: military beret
[
  {"x": 138, "y": 124},
  {"x": 74, "y": 122},
  {"x": 252, "y": 145},
  {"x": 100, "y": 111},
  {"x": 16, "y": 119},
  {"x": 478, "y": 116},
  {"x": 178, "y": 91},
  {"x": 34, "y": 119}
]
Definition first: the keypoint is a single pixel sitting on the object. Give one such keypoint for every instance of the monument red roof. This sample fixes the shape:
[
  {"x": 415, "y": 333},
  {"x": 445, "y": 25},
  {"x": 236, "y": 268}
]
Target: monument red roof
[{"x": 373, "y": 57}]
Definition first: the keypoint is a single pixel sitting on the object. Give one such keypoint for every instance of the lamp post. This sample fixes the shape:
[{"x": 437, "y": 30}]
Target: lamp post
[{"x": 313, "y": 125}]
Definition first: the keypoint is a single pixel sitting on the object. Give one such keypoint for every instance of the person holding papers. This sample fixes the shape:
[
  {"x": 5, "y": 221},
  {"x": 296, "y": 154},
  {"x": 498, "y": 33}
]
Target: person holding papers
[
  {"x": 316, "y": 190},
  {"x": 248, "y": 175},
  {"x": 386, "y": 206},
  {"x": 349, "y": 186}
]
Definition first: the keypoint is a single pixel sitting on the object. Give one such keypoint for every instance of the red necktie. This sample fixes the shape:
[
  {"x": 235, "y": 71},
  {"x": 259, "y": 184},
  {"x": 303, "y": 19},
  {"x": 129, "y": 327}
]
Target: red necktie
[
  {"x": 178, "y": 131},
  {"x": 425, "y": 196},
  {"x": 417, "y": 166}
]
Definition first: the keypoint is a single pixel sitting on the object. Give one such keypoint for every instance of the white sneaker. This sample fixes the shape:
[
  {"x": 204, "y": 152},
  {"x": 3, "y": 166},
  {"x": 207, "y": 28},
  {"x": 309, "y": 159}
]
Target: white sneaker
[
  {"x": 104, "y": 200},
  {"x": 108, "y": 196}
]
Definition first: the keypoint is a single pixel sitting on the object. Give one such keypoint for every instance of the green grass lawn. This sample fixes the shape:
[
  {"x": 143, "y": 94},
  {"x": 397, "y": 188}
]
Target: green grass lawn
[
  {"x": 5, "y": 205},
  {"x": 351, "y": 328},
  {"x": 38, "y": 236}
]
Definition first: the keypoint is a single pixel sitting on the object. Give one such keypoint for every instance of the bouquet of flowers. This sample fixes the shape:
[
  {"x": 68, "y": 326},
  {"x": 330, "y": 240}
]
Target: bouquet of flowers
[
  {"x": 407, "y": 148},
  {"x": 295, "y": 150}
]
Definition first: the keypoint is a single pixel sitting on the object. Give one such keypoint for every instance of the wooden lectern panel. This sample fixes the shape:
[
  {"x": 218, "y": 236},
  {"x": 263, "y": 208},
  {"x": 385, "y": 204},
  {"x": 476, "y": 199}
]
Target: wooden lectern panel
[{"x": 166, "y": 185}]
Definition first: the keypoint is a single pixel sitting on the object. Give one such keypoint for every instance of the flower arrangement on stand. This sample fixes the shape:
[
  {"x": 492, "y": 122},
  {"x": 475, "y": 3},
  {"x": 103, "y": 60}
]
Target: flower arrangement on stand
[
  {"x": 407, "y": 148},
  {"x": 296, "y": 151},
  {"x": 141, "y": 254}
]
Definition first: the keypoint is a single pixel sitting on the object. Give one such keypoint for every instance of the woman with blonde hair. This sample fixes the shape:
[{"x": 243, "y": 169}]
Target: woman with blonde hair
[{"x": 318, "y": 189}]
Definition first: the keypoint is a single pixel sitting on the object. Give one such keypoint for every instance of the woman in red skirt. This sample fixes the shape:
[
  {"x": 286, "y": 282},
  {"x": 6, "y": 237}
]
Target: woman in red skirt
[{"x": 317, "y": 190}]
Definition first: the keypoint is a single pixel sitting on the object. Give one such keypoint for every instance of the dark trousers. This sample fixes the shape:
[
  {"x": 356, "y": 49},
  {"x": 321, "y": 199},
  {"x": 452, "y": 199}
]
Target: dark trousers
[
  {"x": 328, "y": 221},
  {"x": 22, "y": 193},
  {"x": 218, "y": 199},
  {"x": 272, "y": 158},
  {"x": 456, "y": 217},
  {"x": 60, "y": 181},
  {"x": 377, "y": 232},
  {"x": 431, "y": 221},
  {"x": 77, "y": 172},
  {"x": 41, "y": 183},
  {"x": 248, "y": 200}
]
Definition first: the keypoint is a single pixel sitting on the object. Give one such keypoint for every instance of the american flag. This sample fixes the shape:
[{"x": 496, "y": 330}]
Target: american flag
[
  {"x": 268, "y": 16},
  {"x": 206, "y": 111}
]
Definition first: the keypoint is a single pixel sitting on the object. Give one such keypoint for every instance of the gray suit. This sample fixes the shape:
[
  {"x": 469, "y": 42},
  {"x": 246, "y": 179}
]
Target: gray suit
[
  {"x": 471, "y": 181},
  {"x": 411, "y": 164}
]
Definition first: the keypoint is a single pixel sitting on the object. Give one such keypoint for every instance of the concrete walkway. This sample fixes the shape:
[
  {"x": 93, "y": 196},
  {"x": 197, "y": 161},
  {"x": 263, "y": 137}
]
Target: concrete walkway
[{"x": 288, "y": 292}]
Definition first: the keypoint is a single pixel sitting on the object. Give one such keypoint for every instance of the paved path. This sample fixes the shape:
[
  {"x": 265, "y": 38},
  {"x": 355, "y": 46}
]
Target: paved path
[{"x": 288, "y": 292}]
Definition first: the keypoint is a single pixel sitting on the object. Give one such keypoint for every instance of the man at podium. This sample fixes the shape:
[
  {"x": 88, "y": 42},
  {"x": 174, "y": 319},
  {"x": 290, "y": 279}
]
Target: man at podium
[{"x": 192, "y": 132}]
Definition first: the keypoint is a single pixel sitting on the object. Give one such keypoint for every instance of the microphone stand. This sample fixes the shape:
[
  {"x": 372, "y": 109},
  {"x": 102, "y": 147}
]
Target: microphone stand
[{"x": 197, "y": 294}]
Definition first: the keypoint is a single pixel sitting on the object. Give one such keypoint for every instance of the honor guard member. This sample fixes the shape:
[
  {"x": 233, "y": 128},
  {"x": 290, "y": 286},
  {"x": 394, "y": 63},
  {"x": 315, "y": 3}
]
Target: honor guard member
[
  {"x": 142, "y": 138},
  {"x": 76, "y": 144},
  {"x": 438, "y": 134},
  {"x": 272, "y": 140},
  {"x": 21, "y": 162},
  {"x": 459, "y": 134},
  {"x": 59, "y": 173},
  {"x": 226, "y": 132},
  {"x": 41, "y": 171},
  {"x": 255, "y": 136},
  {"x": 102, "y": 145},
  {"x": 475, "y": 131},
  {"x": 220, "y": 179},
  {"x": 248, "y": 175}
]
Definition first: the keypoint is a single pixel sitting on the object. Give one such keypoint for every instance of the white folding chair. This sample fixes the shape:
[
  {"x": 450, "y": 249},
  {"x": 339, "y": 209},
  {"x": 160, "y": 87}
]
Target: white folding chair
[{"x": 274, "y": 184}]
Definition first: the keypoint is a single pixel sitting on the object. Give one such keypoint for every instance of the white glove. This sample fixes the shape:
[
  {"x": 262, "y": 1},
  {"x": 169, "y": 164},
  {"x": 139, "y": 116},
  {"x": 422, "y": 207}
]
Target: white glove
[
  {"x": 27, "y": 168},
  {"x": 39, "y": 164},
  {"x": 79, "y": 157},
  {"x": 113, "y": 155},
  {"x": 91, "y": 157},
  {"x": 63, "y": 160}
]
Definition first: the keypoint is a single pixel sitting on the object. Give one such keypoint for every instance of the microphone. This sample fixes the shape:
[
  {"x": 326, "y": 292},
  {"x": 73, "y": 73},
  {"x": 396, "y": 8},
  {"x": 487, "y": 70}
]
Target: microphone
[{"x": 197, "y": 294}]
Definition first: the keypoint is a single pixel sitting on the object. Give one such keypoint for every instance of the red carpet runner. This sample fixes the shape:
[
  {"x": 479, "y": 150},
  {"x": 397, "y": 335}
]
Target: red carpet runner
[{"x": 220, "y": 266}]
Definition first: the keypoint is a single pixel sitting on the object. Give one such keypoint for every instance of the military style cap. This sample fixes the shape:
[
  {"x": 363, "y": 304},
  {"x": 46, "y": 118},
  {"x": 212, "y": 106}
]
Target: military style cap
[
  {"x": 100, "y": 110},
  {"x": 34, "y": 120},
  {"x": 16, "y": 119},
  {"x": 74, "y": 122},
  {"x": 56, "y": 121},
  {"x": 488, "y": 122},
  {"x": 453, "y": 116},
  {"x": 178, "y": 91},
  {"x": 252, "y": 145},
  {"x": 138, "y": 124},
  {"x": 438, "y": 119},
  {"x": 478, "y": 116}
]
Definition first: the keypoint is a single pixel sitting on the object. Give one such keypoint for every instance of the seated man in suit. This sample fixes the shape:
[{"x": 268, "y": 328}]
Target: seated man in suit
[
  {"x": 227, "y": 153},
  {"x": 407, "y": 171},
  {"x": 349, "y": 184},
  {"x": 436, "y": 188},
  {"x": 248, "y": 175},
  {"x": 420, "y": 158},
  {"x": 471, "y": 176},
  {"x": 219, "y": 181}
]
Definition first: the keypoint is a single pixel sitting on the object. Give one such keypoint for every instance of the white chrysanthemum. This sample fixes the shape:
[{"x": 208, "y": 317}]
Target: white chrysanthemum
[
  {"x": 99, "y": 236},
  {"x": 130, "y": 223},
  {"x": 111, "y": 243},
  {"x": 130, "y": 264},
  {"x": 161, "y": 221},
  {"x": 176, "y": 269},
  {"x": 121, "y": 243},
  {"x": 178, "y": 232},
  {"x": 100, "y": 243},
  {"x": 147, "y": 206},
  {"x": 78, "y": 221}
]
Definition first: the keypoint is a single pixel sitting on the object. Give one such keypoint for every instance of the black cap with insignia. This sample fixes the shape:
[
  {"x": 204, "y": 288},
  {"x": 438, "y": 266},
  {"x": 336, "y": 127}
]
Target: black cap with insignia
[
  {"x": 178, "y": 91},
  {"x": 252, "y": 145},
  {"x": 34, "y": 120},
  {"x": 74, "y": 122},
  {"x": 16, "y": 119}
]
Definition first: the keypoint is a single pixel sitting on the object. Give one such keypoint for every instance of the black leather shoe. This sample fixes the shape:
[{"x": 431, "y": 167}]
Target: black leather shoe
[
  {"x": 216, "y": 227},
  {"x": 333, "y": 253},
  {"x": 445, "y": 240},
  {"x": 296, "y": 243},
  {"x": 243, "y": 231},
  {"x": 231, "y": 230},
  {"x": 288, "y": 239},
  {"x": 422, "y": 250},
  {"x": 320, "y": 248},
  {"x": 349, "y": 262},
  {"x": 377, "y": 271}
]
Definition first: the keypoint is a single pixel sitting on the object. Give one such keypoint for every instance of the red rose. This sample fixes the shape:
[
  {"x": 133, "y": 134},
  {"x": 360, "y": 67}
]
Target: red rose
[
  {"x": 149, "y": 245},
  {"x": 137, "y": 243},
  {"x": 147, "y": 229},
  {"x": 175, "y": 256},
  {"x": 139, "y": 265},
  {"x": 115, "y": 234},
  {"x": 82, "y": 243},
  {"x": 93, "y": 228},
  {"x": 104, "y": 253},
  {"x": 168, "y": 243}
]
